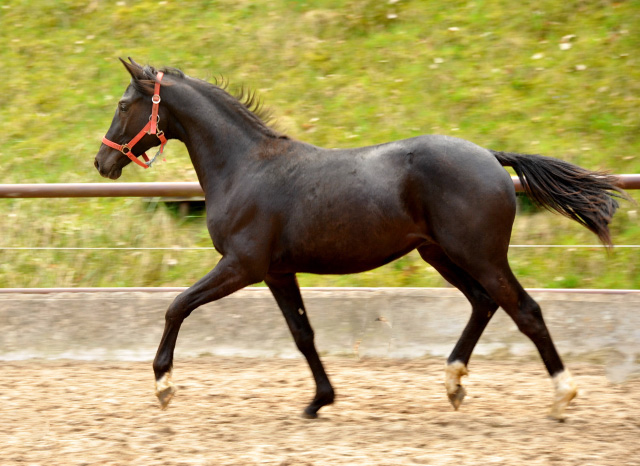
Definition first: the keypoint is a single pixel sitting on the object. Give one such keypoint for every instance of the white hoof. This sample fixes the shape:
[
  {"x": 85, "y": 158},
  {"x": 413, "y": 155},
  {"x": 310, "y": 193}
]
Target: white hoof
[
  {"x": 165, "y": 390},
  {"x": 453, "y": 373},
  {"x": 566, "y": 390}
]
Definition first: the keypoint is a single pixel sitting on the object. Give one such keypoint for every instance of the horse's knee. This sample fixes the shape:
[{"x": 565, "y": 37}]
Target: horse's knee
[
  {"x": 304, "y": 339},
  {"x": 178, "y": 309},
  {"x": 483, "y": 311},
  {"x": 480, "y": 298},
  {"x": 529, "y": 318}
]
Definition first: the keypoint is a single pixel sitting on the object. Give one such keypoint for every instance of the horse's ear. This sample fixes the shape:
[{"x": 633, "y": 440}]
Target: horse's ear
[
  {"x": 134, "y": 69},
  {"x": 132, "y": 61}
]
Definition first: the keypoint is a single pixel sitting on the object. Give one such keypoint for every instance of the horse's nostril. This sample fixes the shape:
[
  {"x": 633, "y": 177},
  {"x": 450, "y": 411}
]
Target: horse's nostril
[{"x": 96, "y": 164}]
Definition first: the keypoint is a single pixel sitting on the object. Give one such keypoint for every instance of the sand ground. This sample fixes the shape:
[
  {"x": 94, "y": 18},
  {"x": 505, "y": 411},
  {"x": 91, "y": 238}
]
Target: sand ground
[{"x": 237, "y": 411}]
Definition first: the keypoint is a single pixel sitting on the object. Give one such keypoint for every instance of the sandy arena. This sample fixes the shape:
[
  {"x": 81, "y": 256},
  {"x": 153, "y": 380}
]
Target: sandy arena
[{"x": 237, "y": 411}]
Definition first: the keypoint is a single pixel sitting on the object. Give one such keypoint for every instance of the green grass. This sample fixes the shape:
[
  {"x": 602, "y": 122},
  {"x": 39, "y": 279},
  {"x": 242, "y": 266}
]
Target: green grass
[{"x": 336, "y": 73}]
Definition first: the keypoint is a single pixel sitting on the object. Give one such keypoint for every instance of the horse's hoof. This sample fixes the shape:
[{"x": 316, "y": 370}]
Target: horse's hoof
[
  {"x": 165, "y": 390},
  {"x": 457, "y": 396},
  {"x": 311, "y": 411},
  {"x": 560, "y": 404},
  {"x": 309, "y": 415},
  {"x": 165, "y": 395},
  {"x": 566, "y": 390},
  {"x": 455, "y": 391},
  {"x": 555, "y": 417}
]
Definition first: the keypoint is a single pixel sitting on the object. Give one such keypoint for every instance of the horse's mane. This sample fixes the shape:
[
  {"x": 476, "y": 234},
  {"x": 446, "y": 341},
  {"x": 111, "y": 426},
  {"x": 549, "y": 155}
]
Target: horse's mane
[{"x": 245, "y": 100}]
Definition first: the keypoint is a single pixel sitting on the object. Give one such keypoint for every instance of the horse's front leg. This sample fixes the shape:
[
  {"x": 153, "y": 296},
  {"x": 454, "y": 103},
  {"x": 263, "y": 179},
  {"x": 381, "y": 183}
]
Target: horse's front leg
[
  {"x": 228, "y": 276},
  {"x": 287, "y": 294}
]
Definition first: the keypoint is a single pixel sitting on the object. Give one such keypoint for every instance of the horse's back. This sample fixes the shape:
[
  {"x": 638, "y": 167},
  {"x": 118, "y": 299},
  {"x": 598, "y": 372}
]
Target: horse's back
[{"x": 438, "y": 160}]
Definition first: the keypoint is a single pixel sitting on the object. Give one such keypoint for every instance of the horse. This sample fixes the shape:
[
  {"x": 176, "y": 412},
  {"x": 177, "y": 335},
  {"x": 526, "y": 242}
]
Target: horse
[{"x": 276, "y": 206}]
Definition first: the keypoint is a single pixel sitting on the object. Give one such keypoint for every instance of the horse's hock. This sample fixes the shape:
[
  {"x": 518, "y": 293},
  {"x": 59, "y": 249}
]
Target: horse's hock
[{"x": 389, "y": 322}]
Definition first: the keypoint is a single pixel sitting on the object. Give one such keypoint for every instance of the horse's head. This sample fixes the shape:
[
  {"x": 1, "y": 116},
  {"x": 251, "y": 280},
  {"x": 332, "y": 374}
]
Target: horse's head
[{"x": 134, "y": 128}]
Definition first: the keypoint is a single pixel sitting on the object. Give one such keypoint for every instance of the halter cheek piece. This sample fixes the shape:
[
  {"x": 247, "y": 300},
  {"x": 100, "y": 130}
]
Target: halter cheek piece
[{"x": 149, "y": 128}]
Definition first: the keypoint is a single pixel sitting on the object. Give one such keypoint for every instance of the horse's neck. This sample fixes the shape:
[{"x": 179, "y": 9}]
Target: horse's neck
[{"x": 218, "y": 141}]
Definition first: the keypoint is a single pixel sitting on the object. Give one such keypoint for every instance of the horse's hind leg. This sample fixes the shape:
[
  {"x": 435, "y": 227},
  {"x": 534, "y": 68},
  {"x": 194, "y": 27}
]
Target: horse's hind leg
[
  {"x": 496, "y": 277},
  {"x": 527, "y": 315},
  {"x": 287, "y": 294},
  {"x": 482, "y": 309}
]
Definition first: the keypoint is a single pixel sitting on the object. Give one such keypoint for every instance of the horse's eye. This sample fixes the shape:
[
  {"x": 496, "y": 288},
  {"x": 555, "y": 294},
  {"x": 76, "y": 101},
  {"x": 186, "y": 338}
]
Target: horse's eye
[{"x": 122, "y": 106}]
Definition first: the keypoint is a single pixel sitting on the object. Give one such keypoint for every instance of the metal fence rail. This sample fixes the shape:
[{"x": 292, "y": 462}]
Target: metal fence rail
[
  {"x": 175, "y": 189},
  {"x": 59, "y": 190}
]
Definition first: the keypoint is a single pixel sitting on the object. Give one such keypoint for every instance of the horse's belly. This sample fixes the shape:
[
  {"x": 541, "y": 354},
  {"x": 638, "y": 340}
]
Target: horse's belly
[
  {"x": 351, "y": 225},
  {"x": 332, "y": 253},
  {"x": 346, "y": 265}
]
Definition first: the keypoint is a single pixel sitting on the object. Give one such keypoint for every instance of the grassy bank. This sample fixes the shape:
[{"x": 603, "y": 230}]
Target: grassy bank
[{"x": 560, "y": 79}]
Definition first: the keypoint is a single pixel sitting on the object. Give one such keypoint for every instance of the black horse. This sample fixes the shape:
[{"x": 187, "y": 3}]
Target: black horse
[{"x": 277, "y": 206}]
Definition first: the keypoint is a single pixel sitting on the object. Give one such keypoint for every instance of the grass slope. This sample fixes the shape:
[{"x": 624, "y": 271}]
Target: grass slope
[{"x": 557, "y": 78}]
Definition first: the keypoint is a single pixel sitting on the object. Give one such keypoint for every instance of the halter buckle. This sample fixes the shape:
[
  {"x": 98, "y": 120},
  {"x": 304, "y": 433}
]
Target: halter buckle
[
  {"x": 157, "y": 121},
  {"x": 125, "y": 149}
]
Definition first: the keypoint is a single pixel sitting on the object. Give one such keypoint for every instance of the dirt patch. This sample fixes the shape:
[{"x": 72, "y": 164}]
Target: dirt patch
[{"x": 247, "y": 411}]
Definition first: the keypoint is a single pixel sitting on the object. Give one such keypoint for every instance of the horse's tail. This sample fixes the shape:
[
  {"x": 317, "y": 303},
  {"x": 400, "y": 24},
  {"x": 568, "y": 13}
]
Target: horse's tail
[{"x": 587, "y": 197}]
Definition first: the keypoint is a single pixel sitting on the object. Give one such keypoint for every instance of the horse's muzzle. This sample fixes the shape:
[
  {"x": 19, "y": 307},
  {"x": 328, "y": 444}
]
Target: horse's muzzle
[{"x": 113, "y": 173}]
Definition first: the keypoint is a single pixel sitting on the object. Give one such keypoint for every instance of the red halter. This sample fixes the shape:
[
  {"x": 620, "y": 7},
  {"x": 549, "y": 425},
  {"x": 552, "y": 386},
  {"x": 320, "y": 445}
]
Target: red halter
[{"x": 149, "y": 128}]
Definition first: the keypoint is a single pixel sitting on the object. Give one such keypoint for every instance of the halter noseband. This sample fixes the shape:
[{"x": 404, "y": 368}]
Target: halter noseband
[{"x": 149, "y": 128}]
